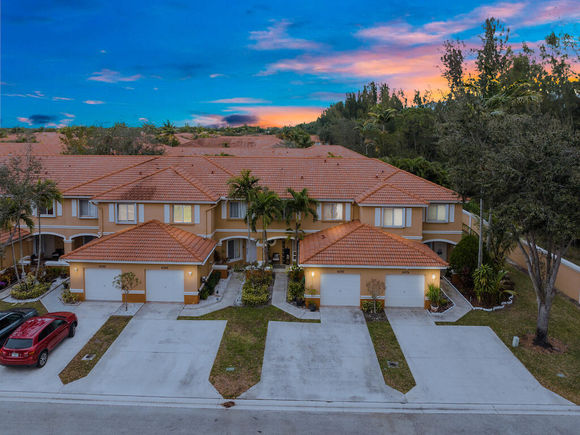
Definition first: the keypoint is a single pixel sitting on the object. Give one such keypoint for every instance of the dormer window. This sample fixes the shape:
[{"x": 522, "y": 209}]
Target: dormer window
[
  {"x": 332, "y": 211},
  {"x": 438, "y": 213}
]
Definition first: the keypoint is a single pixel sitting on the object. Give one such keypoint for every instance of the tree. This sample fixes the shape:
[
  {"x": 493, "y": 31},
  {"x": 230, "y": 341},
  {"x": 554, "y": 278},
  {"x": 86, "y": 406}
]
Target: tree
[
  {"x": 266, "y": 206},
  {"x": 299, "y": 206},
  {"x": 375, "y": 288},
  {"x": 494, "y": 58},
  {"x": 8, "y": 219},
  {"x": 295, "y": 137},
  {"x": 243, "y": 187},
  {"x": 44, "y": 194},
  {"x": 452, "y": 60},
  {"x": 126, "y": 282},
  {"x": 167, "y": 134}
]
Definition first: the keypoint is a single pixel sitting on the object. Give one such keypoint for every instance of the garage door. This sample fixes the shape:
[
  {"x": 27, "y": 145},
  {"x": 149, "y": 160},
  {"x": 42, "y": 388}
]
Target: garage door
[
  {"x": 405, "y": 291},
  {"x": 164, "y": 285},
  {"x": 99, "y": 285},
  {"x": 340, "y": 289}
]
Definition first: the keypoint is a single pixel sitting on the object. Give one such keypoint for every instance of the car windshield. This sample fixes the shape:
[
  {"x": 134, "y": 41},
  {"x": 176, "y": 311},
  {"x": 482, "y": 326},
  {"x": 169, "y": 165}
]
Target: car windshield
[{"x": 18, "y": 343}]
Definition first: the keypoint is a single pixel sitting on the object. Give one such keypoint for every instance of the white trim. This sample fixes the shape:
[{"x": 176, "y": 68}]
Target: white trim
[
  {"x": 137, "y": 292},
  {"x": 442, "y": 232},
  {"x": 77, "y": 290},
  {"x": 135, "y": 212},
  {"x": 190, "y": 293},
  {"x": 440, "y": 240},
  {"x": 166, "y": 213},
  {"x": 370, "y": 297},
  {"x": 347, "y": 212},
  {"x": 354, "y": 266},
  {"x": 237, "y": 230},
  {"x": 413, "y": 237},
  {"x": 83, "y": 234},
  {"x": 74, "y": 203},
  {"x": 378, "y": 215},
  {"x": 58, "y": 208},
  {"x": 196, "y": 214},
  {"x": 393, "y": 205},
  {"x": 141, "y": 213},
  {"x": 133, "y": 262},
  {"x": 111, "y": 212},
  {"x": 280, "y": 238},
  {"x": 312, "y": 296},
  {"x": 72, "y": 227},
  {"x": 96, "y": 201},
  {"x": 44, "y": 233},
  {"x": 224, "y": 209},
  {"x": 451, "y": 216}
]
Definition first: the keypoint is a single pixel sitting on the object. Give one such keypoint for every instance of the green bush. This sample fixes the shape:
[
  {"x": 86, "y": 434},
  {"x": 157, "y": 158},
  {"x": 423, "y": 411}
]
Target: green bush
[
  {"x": 368, "y": 306},
  {"x": 255, "y": 295},
  {"x": 29, "y": 288},
  {"x": 209, "y": 286},
  {"x": 295, "y": 273},
  {"x": 295, "y": 290},
  {"x": 259, "y": 277},
  {"x": 435, "y": 296},
  {"x": 49, "y": 274},
  {"x": 463, "y": 258},
  {"x": 487, "y": 284},
  {"x": 68, "y": 297}
]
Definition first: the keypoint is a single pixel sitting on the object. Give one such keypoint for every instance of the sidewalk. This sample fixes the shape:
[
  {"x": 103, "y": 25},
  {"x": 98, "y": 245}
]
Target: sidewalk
[
  {"x": 279, "y": 300},
  {"x": 460, "y": 309},
  {"x": 233, "y": 287}
]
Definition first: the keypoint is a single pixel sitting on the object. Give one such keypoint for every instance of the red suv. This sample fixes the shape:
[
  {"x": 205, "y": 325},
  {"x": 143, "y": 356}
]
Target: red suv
[{"x": 30, "y": 343}]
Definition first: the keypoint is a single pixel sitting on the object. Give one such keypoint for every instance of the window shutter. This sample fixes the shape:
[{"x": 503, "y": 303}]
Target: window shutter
[
  {"x": 377, "y": 216},
  {"x": 111, "y": 212},
  {"x": 74, "y": 203},
  {"x": 141, "y": 212},
  {"x": 196, "y": 219},
  {"x": 452, "y": 213},
  {"x": 347, "y": 212},
  {"x": 34, "y": 210},
  {"x": 319, "y": 210},
  {"x": 58, "y": 208},
  {"x": 425, "y": 214},
  {"x": 243, "y": 208},
  {"x": 224, "y": 209},
  {"x": 409, "y": 217},
  {"x": 166, "y": 216}
]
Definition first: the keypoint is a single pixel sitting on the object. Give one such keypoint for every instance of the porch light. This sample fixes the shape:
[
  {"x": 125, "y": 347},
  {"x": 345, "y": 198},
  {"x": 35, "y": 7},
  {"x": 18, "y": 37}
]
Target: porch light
[
  {"x": 433, "y": 276},
  {"x": 312, "y": 274},
  {"x": 76, "y": 269},
  {"x": 189, "y": 273}
]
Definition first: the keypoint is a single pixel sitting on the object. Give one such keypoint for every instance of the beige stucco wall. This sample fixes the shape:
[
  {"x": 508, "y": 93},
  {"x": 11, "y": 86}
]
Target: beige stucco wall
[
  {"x": 367, "y": 216},
  {"x": 6, "y": 259}
]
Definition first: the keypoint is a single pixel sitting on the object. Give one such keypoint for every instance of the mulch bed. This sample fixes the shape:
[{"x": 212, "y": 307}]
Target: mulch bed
[
  {"x": 470, "y": 295},
  {"x": 374, "y": 317},
  {"x": 558, "y": 346}
]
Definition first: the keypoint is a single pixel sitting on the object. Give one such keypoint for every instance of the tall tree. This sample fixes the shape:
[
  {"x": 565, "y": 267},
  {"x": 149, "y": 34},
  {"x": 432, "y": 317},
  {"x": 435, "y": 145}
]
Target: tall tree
[
  {"x": 452, "y": 65},
  {"x": 299, "y": 206},
  {"x": 494, "y": 57},
  {"x": 44, "y": 195},
  {"x": 243, "y": 188},
  {"x": 264, "y": 206}
]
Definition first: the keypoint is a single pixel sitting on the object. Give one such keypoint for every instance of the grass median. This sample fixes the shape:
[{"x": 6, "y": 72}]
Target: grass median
[{"x": 4, "y": 306}]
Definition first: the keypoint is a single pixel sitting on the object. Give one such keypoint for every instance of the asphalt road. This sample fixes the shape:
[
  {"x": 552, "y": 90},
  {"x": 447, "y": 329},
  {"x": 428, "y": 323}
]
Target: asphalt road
[{"x": 73, "y": 418}]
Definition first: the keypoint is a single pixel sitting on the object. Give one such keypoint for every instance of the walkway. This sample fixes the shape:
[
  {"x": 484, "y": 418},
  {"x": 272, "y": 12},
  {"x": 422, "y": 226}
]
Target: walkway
[
  {"x": 279, "y": 300},
  {"x": 460, "y": 309},
  {"x": 232, "y": 289}
]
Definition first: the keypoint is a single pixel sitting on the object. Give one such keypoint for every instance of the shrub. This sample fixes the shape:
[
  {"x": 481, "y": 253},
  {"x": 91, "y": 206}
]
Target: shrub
[
  {"x": 209, "y": 286},
  {"x": 29, "y": 288},
  {"x": 255, "y": 295},
  {"x": 487, "y": 284},
  {"x": 463, "y": 258},
  {"x": 49, "y": 274},
  {"x": 434, "y": 295},
  {"x": 295, "y": 290},
  {"x": 259, "y": 277},
  {"x": 295, "y": 273},
  {"x": 68, "y": 297},
  {"x": 369, "y": 306}
]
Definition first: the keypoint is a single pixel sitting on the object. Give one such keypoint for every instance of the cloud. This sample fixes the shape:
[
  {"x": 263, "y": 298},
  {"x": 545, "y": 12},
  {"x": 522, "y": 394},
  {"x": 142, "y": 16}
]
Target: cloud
[
  {"x": 24, "y": 120},
  {"x": 276, "y": 38},
  {"x": 327, "y": 96},
  {"x": 103, "y": 51},
  {"x": 239, "y": 119},
  {"x": 93, "y": 102},
  {"x": 240, "y": 100},
  {"x": 216, "y": 75},
  {"x": 143, "y": 120},
  {"x": 110, "y": 76},
  {"x": 280, "y": 116},
  {"x": 62, "y": 99},
  {"x": 68, "y": 115},
  {"x": 37, "y": 119}
]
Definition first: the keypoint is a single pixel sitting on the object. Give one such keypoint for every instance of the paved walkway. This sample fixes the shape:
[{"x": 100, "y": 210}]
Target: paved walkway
[
  {"x": 463, "y": 364},
  {"x": 230, "y": 293},
  {"x": 279, "y": 300},
  {"x": 460, "y": 309}
]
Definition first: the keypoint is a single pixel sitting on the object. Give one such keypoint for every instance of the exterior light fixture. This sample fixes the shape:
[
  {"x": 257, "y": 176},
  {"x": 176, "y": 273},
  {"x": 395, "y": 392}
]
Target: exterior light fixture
[
  {"x": 189, "y": 273},
  {"x": 433, "y": 276},
  {"x": 313, "y": 274},
  {"x": 76, "y": 269}
]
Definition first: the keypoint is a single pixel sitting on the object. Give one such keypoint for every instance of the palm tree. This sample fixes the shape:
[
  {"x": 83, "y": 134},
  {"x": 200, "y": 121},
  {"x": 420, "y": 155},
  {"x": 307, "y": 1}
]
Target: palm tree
[
  {"x": 167, "y": 134},
  {"x": 266, "y": 206},
  {"x": 13, "y": 214},
  {"x": 44, "y": 195},
  {"x": 7, "y": 223},
  {"x": 243, "y": 187},
  {"x": 299, "y": 206}
]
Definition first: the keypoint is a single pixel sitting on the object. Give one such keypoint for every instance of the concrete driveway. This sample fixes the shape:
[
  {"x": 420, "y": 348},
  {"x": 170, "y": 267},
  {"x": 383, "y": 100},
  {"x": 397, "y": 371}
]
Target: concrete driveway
[
  {"x": 463, "y": 364},
  {"x": 157, "y": 357},
  {"x": 91, "y": 317},
  {"x": 331, "y": 361}
]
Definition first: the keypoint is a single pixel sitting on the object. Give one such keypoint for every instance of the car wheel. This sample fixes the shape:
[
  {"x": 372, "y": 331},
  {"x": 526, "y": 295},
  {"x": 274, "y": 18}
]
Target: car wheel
[
  {"x": 72, "y": 330},
  {"x": 42, "y": 359}
]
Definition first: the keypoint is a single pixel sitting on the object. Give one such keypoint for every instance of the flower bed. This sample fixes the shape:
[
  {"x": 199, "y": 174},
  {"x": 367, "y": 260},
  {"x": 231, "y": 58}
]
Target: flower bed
[
  {"x": 29, "y": 288},
  {"x": 503, "y": 298},
  {"x": 257, "y": 288},
  {"x": 209, "y": 286}
]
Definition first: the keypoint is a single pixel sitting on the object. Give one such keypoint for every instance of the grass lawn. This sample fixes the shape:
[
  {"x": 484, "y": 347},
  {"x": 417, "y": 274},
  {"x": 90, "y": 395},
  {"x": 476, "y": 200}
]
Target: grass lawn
[
  {"x": 242, "y": 346},
  {"x": 520, "y": 319},
  {"x": 387, "y": 349},
  {"x": 37, "y": 304},
  {"x": 98, "y": 345}
]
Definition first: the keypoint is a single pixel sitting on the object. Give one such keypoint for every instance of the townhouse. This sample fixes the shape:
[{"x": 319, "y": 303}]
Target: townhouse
[{"x": 169, "y": 220}]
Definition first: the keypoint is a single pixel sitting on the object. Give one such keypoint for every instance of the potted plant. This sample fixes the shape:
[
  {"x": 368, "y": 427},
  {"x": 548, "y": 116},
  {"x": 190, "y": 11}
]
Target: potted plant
[
  {"x": 312, "y": 306},
  {"x": 434, "y": 296}
]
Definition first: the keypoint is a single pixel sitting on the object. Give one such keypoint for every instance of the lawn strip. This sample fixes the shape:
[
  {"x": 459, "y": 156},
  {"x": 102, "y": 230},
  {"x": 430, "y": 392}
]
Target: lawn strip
[
  {"x": 97, "y": 345},
  {"x": 242, "y": 346},
  {"x": 4, "y": 306},
  {"x": 387, "y": 349},
  {"x": 519, "y": 319}
]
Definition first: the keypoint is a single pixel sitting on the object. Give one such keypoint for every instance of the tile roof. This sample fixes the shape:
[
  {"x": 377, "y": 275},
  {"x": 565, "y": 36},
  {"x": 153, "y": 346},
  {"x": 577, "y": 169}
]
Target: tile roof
[
  {"x": 385, "y": 193},
  {"x": 357, "y": 244},
  {"x": 5, "y": 235},
  {"x": 149, "y": 242}
]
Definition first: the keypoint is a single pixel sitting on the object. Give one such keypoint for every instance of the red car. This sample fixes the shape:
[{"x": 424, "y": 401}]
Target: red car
[{"x": 31, "y": 342}]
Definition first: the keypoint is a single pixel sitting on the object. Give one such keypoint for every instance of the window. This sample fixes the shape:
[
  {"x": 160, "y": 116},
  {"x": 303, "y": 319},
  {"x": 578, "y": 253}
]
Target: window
[
  {"x": 332, "y": 211},
  {"x": 87, "y": 209},
  {"x": 44, "y": 211},
  {"x": 393, "y": 217},
  {"x": 182, "y": 214},
  {"x": 234, "y": 249},
  {"x": 126, "y": 213},
  {"x": 18, "y": 343},
  {"x": 237, "y": 209},
  {"x": 45, "y": 332},
  {"x": 437, "y": 213}
]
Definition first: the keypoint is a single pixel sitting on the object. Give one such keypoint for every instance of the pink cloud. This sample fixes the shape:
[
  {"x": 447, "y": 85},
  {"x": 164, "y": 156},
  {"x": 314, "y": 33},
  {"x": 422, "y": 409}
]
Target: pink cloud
[
  {"x": 62, "y": 99},
  {"x": 110, "y": 76},
  {"x": 216, "y": 75},
  {"x": 276, "y": 38},
  {"x": 240, "y": 100},
  {"x": 24, "y": 120},
  {"x": 280, "y": 116},
  {"x": 93, "y": 102}
]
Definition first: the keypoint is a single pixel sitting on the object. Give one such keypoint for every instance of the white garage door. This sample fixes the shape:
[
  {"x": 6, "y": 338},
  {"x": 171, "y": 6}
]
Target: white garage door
[
  {"x": 164, "y": 285},
  {"x": 405, "y": 290},
  {"x": 99, "y": 285},
  {"x": 340, "y": 289}
]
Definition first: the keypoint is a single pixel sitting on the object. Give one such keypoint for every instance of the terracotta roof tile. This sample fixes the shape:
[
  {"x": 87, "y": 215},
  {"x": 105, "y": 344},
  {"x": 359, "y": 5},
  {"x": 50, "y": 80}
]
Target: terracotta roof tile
[
  {"x": 151, "y": 241},
  {"x": 5, "y": 235},
  {"x": 357, "y": 244}
]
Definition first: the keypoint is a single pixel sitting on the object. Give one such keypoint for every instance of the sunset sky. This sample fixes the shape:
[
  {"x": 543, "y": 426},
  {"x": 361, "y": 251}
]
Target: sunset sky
[{"x": 71, "y": 62}]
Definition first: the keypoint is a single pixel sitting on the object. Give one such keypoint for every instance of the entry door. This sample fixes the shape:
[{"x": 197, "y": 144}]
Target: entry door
[
  {"x": 338, "y": 289},
  {"x": 405, "y": 291},
  {"x": 99, "y": 285},
  {"x": 164, "y": 285}
]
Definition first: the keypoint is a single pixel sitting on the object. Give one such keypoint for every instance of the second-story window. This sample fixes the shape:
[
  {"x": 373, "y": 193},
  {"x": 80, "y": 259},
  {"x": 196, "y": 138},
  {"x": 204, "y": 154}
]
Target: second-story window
[
  {"x": 182, "y": 214},
  {"x": 237, "y": 209},
  {"x": 437, "y": 213},
  {"x": 332, "y": 211},
  {"x": 126, "y": 213},
  {"x": 46, "y": 211},
  {"x": 86, "y": 209},
  {"x": 393, "y": 217}
]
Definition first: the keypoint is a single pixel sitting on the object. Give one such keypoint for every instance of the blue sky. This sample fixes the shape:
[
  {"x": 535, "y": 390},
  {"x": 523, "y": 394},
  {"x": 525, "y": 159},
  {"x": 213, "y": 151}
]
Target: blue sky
[{"x": 68, "y": 62}]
